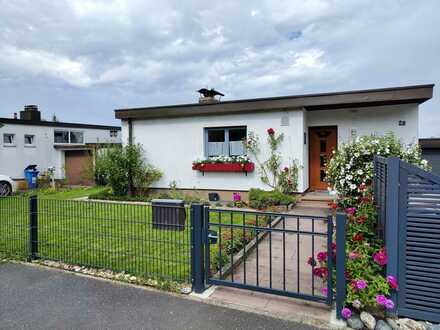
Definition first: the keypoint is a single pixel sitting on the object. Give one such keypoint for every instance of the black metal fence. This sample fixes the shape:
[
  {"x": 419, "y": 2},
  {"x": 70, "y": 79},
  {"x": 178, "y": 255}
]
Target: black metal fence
[{"x": 116, "y": 236}]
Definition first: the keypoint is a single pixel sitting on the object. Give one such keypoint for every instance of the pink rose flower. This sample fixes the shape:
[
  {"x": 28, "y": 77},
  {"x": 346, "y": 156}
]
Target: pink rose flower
[
  {"x": 351, "y": 210},
  {"x": 381, "y": 299},
  {"x": 380, "y": 258},
  {"x": 389, "y": 304},
  {"x": 361, "y": 284},
  {"x": 346, "y": 313},
  {"x": 324, "y": 291},
  {"x": 392, "y": 281}
]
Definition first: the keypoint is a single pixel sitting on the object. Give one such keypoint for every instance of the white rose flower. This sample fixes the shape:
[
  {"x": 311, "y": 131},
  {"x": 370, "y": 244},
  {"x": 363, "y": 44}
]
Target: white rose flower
[
  {"x": 360, "y": 172},
  {"x": 353, "y": 186}
]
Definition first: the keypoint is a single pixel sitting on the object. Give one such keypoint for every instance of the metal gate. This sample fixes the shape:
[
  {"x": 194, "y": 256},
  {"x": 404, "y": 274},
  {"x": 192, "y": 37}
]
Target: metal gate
[
  {"x": 277, "y": 253},
  {"x": 408, "y": 199}
]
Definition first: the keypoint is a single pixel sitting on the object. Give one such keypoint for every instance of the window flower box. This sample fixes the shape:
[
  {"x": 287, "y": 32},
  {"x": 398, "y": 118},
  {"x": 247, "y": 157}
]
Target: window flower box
[{"x": 224, "y": 167}]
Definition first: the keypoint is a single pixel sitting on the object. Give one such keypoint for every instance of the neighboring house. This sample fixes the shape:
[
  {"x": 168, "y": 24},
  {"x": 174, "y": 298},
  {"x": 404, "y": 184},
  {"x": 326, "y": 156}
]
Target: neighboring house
[
  {"x": 431, "y": 152},
  {"x": 65, "y": 146},
  {"x": 313, "y": 125}
]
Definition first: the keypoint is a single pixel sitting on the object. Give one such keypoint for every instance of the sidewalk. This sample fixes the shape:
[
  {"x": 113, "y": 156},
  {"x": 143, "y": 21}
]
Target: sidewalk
[{"x": 40, "y": 298}]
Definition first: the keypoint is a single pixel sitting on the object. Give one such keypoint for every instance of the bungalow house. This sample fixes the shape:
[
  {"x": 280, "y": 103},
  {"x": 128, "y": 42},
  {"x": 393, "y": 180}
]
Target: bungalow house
[
  {"x": 66, "y": 147},
  {"x": 313, "y": 125}
]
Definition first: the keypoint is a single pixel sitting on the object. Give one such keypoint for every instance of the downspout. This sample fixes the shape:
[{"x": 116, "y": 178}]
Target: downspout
[{"x": 130, "y": 143}]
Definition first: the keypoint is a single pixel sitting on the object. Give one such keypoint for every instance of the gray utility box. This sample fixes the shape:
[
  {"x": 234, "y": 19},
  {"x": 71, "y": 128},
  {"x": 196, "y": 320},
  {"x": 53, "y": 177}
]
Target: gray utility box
[{"x": 168, "y": 214}]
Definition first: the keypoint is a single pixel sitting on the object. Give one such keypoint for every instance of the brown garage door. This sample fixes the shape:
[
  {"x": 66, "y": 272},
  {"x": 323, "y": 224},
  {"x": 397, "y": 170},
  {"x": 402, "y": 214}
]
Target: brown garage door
[{"x": 77, "y": 162}]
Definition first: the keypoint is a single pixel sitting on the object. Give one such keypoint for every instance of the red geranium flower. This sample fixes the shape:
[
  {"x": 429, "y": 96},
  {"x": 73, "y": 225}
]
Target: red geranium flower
[
  {"x": 358, "y": 237},
  {"x": 270, "y": 131}
]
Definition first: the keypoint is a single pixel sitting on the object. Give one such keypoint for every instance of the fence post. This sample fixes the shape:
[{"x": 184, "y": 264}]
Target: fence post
[
  {"x": 392, "y": 217},
  {"x": 341, "y": 220},
  {"x": 33, "y": 228},
  {"x": 197, "y": 248}
]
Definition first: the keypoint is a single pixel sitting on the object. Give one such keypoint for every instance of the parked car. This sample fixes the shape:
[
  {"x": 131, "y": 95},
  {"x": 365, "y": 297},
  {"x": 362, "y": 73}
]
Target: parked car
[{"x": 7, "y": 186}]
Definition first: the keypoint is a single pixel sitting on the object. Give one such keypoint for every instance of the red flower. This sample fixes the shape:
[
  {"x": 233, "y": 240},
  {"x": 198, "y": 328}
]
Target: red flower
[
  {"x": 311, "y": 261},
  {"x": 358, "y": 237},
  {"x": 286, "y": 169},
  {"x": 320, "y": 272},
  {"x": 322, "y": 256},
  {"x": 333, "y": 246},
  {"x": 333, "y": 206},
  {"x": 270, "y": 131},
  {"x": 361, "y": 219}
]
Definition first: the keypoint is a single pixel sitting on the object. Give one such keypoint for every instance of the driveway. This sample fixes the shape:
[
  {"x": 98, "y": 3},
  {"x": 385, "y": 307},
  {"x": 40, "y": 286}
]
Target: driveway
[{"x": 39, "y": 298}]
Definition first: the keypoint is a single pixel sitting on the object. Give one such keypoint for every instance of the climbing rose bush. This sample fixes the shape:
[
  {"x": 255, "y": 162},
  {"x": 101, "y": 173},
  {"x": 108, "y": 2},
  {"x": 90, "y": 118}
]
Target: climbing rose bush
[{"x": 352, "y": 164}]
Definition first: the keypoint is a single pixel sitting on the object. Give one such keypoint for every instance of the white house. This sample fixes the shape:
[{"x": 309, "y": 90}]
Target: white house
[
  {"x": 65, "y": 146},
  {"x": 313, "y": 125}
]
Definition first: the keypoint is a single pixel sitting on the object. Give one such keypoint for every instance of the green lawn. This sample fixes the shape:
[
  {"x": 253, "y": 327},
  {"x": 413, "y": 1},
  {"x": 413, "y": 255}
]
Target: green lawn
[
  {"x": 102, "y": 235},
  {"x": 65, "y": 193},
  {"x": 112, "y": 236}
]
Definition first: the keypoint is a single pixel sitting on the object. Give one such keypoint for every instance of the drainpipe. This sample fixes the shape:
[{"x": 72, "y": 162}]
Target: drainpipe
[{"x": 130, "y": 143}]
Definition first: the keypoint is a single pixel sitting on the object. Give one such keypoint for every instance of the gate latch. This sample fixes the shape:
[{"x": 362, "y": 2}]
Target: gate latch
[{"x": 212, "y": 237}]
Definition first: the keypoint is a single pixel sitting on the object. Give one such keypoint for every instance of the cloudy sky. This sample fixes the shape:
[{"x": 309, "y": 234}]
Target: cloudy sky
[{"x": 81, "y": 59}]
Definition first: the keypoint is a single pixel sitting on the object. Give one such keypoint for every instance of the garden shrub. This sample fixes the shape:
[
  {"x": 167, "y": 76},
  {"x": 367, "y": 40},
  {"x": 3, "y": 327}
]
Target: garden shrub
[
  {"x": 352, "y": 164},
  {"x": 350, "y": 173},
  {"x": 118, "y": 164},
  {"x": 261, "y": 199}
]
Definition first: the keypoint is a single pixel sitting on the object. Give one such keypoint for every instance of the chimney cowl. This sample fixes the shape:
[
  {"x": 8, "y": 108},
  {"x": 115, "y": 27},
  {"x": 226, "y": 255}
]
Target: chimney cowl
[{"x": 30, "y": 113}]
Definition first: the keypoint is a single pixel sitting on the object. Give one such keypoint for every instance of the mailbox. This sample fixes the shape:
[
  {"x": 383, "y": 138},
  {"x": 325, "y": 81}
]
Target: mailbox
[{"x": 168, "y": 214}]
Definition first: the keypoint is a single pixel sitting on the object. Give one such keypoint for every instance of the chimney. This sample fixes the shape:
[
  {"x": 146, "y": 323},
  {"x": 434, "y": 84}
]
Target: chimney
[
  {"x": 31, "y": 113},
  {"x": 209, "y": 96},
  {"x": 15, "y": 115}
]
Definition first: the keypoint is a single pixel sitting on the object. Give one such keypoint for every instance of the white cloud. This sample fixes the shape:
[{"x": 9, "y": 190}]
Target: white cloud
[
  {"x": 118, "y": 53},
  {"x": 40, "y": 62}
]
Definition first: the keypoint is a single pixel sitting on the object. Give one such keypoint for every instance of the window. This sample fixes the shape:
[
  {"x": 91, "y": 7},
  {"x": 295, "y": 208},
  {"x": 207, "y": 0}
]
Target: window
[
  {"x": 225, "y": 141},
  {"x": 68, "y": 137},
  {"x": 9, "y": 139},
  {"x": 29, "y": 140},
  {"x": 113, "y": 133},
  {"x": 61, "y": 136},
  {"x": 76, "y": 137}
]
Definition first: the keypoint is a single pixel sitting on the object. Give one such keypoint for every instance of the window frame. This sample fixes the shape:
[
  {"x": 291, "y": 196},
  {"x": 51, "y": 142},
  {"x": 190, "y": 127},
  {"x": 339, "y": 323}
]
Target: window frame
[
  {"x": 13, "y": 143},
  {"x": 69, "y": 139},
  {"x": 114, "y": 133},
  {"x": 226, "y": 130},
  {"x": 76, "y": 131},
  {"x": 29, "y": 145}
]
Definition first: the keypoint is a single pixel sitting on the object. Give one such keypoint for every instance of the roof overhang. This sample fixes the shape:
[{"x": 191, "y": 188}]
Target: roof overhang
[
  {"x": 429, "y": 143},
  {"x": 310, "y": 102}
]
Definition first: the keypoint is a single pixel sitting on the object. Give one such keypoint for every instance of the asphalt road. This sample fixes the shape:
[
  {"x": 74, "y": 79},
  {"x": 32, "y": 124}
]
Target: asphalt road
[{"x": 39, "y": 298}]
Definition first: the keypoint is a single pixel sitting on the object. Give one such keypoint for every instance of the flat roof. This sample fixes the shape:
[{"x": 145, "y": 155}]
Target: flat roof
[
  {"x": 310, "y": 102},
  {"x": 56, "y": 124}
]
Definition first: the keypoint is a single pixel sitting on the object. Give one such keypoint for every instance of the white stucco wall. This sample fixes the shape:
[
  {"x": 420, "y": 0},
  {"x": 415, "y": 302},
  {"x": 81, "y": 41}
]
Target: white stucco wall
[
  {"x": 367, "y": 121},
  {"x": 372, "y": 120},
  {"x": 13, "y": 159},
  {"x": 172, "y": 145}
]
